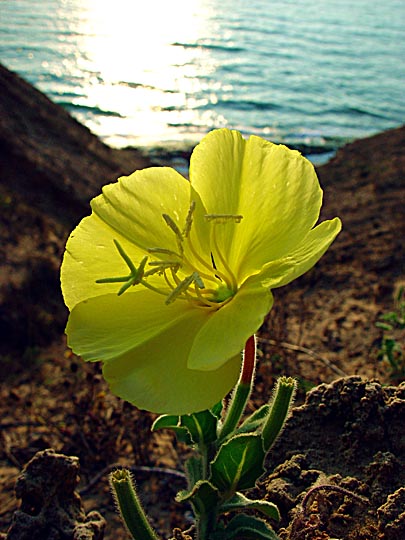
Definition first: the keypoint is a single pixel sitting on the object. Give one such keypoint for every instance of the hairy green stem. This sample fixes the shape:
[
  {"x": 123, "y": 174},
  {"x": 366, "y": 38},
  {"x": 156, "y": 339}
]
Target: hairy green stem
[
  {"x": 280, "y": 407},
  {"x": 242, "y": 390},
  {"x": 205, "y": 525},
  {"x": 130, "y": 507}
]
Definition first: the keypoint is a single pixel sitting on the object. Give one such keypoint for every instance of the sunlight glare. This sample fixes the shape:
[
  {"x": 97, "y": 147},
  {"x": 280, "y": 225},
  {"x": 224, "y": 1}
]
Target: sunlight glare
[{"x": 143, "y": 59}]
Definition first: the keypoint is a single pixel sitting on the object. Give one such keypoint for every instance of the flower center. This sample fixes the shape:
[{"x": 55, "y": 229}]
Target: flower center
[{"x": 207, "y": 286}]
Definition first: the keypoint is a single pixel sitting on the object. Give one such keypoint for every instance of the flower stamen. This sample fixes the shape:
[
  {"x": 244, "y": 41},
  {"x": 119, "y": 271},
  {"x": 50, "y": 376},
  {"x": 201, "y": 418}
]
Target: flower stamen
[
  {"x": 230, "y": 283},
  {"x": 181, "y": 288},
  {"x": 191, "y": 288},
  {"x": 224, "y": 218},
  {"x": 203, "y": 299},
  {"x": 189, "y": 220},
  {"x": 179, "y": 237}
]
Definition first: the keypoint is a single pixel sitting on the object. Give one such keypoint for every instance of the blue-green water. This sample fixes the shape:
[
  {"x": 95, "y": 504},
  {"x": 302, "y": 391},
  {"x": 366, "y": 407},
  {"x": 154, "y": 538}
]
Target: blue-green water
[{"x": 312, "y": 73}]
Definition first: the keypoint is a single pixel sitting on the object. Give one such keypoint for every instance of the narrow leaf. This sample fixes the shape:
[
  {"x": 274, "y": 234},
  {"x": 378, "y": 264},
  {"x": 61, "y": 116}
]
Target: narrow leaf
[
  {"x": 240, "y": 502},
  {"x": 204, "y": 496},
  {"x": 255, "y": 420}
]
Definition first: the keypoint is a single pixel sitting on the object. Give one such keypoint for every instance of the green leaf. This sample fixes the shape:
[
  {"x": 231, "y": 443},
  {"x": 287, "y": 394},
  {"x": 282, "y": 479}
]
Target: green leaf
[
  {"x": 217, "y": 410},
  {"x": 166, "y": 421},
  {"x": 243, "y": 527},
  {"x": 383, "y": 326},
  {"x": 194, "y": 470},
  {"x": 204, "y": 496},
  {"x": 197, "y": 428},
  {"x": 240, "y": 502},
  {"x": 202, "y": 426},
  {"x": 255, "y": 420},
  {"x": 238, "y": 463},
  {"x": 170, "y": 421}
]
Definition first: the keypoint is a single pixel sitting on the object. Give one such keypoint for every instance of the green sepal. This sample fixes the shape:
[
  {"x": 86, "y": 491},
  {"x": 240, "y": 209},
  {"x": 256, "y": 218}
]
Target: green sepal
[
  {"x": 204, "y": 496},
  {"x": 238, "y": 463},
  {"x": 170, "y": 421},
  {"x": 255, "y": 420},
  {"x": 240, "y": 502},
  {"x": 202, "y": 426},
  {"x": 243, "y": 527}
]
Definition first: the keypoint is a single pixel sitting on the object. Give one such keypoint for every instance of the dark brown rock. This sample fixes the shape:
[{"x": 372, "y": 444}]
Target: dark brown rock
[
  {"x": 54, "y": 162},
  {"x": 50, "y": 168},
  {"x": 391, "y": 516},
  {"x": 346, "y": 445},
  {"x": 50, "y": 508}
]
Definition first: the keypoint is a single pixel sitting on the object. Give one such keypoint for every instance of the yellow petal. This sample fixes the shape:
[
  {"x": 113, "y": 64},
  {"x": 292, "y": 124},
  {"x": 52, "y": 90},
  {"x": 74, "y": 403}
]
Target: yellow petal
[
  {"x": 135, "y": 205},
  {"x": 107, "y": 326},
  {"x": 90, "y": 255},
  {"x": 155, "y": 375},
  {"x": 226, "y": 331},
  {"x": 301, "y": 259},
  {"x": 131, "y": 211},
  {"x": 275, "y": 190}
]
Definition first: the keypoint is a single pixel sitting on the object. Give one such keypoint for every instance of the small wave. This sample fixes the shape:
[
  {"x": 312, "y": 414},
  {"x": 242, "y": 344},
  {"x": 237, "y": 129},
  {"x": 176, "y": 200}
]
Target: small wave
[
  {"x": 246, "y": 105},
  {"x": 88, "y": 108},
  {"x": 134, "y": 85},
  {"x": 209, "y": 46},
  {"x": 354, "y": 111},
  {"x": 365, "y": 112}
]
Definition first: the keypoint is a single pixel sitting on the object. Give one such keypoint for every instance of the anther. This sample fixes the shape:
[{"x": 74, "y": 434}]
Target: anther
[
  {"x": 169, "y": 221},
  {"x": 179, "y": 237},
  {"x": 189, "y": 220},
  {"x": 164, "y": 264},
  {"x": 181, "y": 288},
  {"x": 224, "y": 218},
  {"x": 198, "y": 281}
]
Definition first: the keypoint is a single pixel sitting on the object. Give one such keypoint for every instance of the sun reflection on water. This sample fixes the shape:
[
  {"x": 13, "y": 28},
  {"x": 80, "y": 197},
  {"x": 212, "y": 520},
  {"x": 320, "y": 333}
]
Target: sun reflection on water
[{"x": 144, "y": 65}]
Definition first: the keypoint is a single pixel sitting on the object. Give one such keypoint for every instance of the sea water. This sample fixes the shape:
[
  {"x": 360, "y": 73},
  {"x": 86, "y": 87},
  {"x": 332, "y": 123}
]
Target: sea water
[{"x": 313, "y": 74}]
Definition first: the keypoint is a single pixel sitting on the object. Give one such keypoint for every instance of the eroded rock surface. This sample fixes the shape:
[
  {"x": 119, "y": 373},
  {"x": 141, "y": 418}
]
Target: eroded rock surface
[
  {"x": 347, "y": 441},
  {"x": 50, "y": 508}
]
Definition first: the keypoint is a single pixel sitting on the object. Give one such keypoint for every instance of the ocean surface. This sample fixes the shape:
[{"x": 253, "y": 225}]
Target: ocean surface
[{"x": 313, "y": 74}]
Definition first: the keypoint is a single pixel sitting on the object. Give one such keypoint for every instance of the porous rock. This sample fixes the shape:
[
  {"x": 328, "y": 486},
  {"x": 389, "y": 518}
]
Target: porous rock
[
  {"x": 391, "y": 516},
  {"x": 50, "y": 508}
]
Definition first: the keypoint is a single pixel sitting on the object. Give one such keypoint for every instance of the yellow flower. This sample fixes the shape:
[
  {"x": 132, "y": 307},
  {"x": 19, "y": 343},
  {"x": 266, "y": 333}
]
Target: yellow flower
[{"x": 193, "y": 263}]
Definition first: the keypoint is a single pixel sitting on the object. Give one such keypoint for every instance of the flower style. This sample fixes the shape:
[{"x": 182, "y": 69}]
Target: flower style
[{"x": 168, "y": 277}]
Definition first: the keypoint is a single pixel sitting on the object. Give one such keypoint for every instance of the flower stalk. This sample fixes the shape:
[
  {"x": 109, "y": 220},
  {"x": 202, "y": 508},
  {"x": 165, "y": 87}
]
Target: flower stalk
[
  {"x": 279, "y": 410},
  {"x": 242, "y": 390},
  {"x": 130, "y": 507}
]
